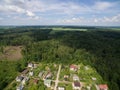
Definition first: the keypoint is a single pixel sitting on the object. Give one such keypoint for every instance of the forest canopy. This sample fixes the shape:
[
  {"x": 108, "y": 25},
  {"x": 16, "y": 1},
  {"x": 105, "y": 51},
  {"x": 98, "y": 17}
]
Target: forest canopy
[{"x": 98, "y": 47}]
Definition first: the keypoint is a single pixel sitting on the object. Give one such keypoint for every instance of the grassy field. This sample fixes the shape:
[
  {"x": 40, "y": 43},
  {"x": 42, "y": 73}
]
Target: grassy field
[{"x": 69, "y": 29}]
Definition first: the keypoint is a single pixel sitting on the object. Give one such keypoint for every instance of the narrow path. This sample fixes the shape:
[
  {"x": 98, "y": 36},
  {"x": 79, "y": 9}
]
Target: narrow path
[{"x": 57, "y": 79}]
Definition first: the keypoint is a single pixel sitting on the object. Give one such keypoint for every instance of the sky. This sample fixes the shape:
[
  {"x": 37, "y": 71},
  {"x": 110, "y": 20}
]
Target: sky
[{"x": 60, "y": 12}]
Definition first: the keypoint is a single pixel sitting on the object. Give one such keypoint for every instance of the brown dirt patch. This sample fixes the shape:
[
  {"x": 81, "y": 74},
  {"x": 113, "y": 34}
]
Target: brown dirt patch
[{"x": 12, "y": 53}]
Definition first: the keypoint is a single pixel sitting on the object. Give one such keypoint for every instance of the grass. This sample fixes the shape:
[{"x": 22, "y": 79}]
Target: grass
[
  {"x": 64, "y": 71},
  {"x": 69, "y": 29},
  {"x": 66, "y": 86},
  {"x": 88, "y": 74}
]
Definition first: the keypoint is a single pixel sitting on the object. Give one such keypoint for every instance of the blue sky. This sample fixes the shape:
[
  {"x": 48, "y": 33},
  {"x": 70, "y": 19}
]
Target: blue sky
[{"x": 60, "y": 12}]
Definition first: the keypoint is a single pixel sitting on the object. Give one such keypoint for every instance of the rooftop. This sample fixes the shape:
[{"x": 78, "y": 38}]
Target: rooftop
[
  {"x": 103, "y": 86},
  {"x": 77, "y": 84}
]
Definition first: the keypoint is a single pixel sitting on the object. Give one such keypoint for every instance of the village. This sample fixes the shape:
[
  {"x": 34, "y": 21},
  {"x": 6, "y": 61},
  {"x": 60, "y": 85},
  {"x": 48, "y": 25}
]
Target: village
[{"x": 40, "y": 76}]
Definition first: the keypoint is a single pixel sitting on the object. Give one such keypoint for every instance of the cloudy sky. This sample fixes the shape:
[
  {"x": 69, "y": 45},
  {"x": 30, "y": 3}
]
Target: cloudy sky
[{"x": 60, "y": 12}]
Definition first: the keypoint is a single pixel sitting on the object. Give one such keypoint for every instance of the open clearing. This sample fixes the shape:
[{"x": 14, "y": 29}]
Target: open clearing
[
  {"x": 69, "y": 29},
  {"x": 11, "y": 53}
]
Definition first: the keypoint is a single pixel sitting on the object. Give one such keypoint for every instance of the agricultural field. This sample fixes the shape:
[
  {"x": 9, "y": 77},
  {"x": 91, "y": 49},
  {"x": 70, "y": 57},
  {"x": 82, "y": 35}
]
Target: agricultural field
[{"x": 68, "y": 29}]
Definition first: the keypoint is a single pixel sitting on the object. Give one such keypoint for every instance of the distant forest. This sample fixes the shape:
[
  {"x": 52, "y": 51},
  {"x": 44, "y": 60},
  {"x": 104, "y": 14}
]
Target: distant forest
[{"x": 43, "y": 44}]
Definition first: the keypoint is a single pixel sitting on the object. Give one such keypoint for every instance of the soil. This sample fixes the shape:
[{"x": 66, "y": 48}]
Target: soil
[{"x": 11, "y": 53}]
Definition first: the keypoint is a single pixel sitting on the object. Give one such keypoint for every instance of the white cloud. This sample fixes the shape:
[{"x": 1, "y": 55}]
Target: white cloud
[
  {"x": 71, "y": 11},
  {"x": 61, "y": 8},
  {"x": 72, "y": 20},
  {"x": 15, "y": 6},
  {"x": 115, "y": 18},
  {"x": 103, "y": 5},
  {"x": 11, "y": 8},
  {"x": 69, "y": 8},
  {"x": 31, "y": 14},
  {"x": 14, "y": 1},
  {"x": 81, "y": 20}
]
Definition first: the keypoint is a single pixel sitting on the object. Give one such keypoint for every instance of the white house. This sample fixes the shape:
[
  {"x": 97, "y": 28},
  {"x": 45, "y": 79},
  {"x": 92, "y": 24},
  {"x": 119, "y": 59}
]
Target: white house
[
  {"x": 93, "y": 78},
  {"x": 31, "y": 73},
  {"x": 61, "y": 88},
  {"x": 40, "y": 74},
  {"x": 75, "y": 77},
  {"x": 47, "y": 83},
  {"x": 35, "y": 65},
  {"x": 19, "y": 78},
  {"x": 20, "y": 87},
  {"x": 30, "y": 65},
  {"x": 86, "y": 68},
  {"x": 24, "y": 80}
]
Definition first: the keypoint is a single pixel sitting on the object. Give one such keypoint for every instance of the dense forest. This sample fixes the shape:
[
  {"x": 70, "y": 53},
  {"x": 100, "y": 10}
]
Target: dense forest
[{"x": 98, "y": 47}]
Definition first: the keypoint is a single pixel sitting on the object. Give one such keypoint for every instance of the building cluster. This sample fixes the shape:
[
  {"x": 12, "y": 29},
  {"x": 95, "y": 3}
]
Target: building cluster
[{"x": 47, "y": 77}]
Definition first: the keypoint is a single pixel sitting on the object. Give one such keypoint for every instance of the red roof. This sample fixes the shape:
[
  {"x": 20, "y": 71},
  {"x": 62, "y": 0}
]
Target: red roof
[
  {"x": 77, "y": 84},
  {"x": 73, "y": 66},
  {"x": 35, "y": 80},
  {"x": 103, "y": 86}
]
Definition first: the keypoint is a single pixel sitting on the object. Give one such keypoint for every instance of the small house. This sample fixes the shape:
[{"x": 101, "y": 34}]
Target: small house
[
  {"x": 103, "y": 87},
  {"x": 86, "y": 68},
  {"x": 44, "y": 75},
  {"x": 49, "y": 75},
  {"x": 30, "y": 65},
  {"x": 24, "y": 80},
  {"x": 75, "y": 78},
  {"x": 47, "y": 83},
  {"x": 93, "y": 78},
  {"x": 40, "y": 74},
  {"x": 19, "y": 78},
  {"x": 88, "y": 87},
  {"x": 76, "y": 85},
  {"x": 73, "y": 67},
  {"x": 66, "y": 77},
  {"x": 31, "y": 73},
  {"x": 61, "y": 88},
  {"x": 35, "y": 65},
  {"x": 20, "y": 87},
  {"x": 25, "y": 71}
]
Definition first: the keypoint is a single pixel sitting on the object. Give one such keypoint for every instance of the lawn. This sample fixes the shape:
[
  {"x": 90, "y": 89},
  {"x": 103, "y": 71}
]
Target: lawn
[
  {"x": 86, "y": 73},
  {"x": 66, "y": 86}
]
